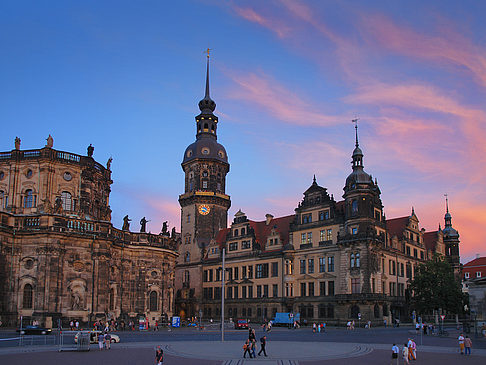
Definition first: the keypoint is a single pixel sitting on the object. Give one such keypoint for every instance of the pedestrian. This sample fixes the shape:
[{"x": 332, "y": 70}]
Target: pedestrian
[
  {"x": 101, "y": 340},
  {"x": 263, "y": 343},
  {"x": 314, "y": 327},
  {"x": 395, "y": 352},
  {"x": 319, "y": 325},
  {"x": 246, "y": 349},
  {"x": 414, "y": 350},
  {"x": 461, "y": 343},
  {"x": 107, "y": 340},
  {"x": 159, "y": 356},
  {"x": 425, "y": 328},
  {"x": 405, "y": 354},
  {"x": 384, "y": 322},
  {"x": 417, "y": 328},
  {"x": 77, "y": 325},
  {"x": 468, "y": 345},
  {"x": 253, "y": 348},
  {"x": 71, "y": 325}
]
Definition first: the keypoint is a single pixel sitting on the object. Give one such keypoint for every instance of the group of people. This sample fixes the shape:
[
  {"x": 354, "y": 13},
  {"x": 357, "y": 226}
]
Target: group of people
[
  {"x": 465, "y": 344},
  {"x": 409, "y": 351},
  {"x": 426, "y": 328},
  {"x": 74, "y": 325},
  {"x": 350, "y": 325},
  {"x": 107, "y": 326},
  {"x": 249, "y": 346},
  {"x": 318, "y": 327},
  {"x": 104, "y": 340}
]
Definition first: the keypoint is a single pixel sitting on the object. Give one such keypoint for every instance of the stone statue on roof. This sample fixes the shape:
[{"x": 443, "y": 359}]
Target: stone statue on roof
[
  {"x": 126, "y": 223},
  {"x": 90, "y": 150},
  {"x": 50, "y": 141},
  {"x": 17, "y": 143}
]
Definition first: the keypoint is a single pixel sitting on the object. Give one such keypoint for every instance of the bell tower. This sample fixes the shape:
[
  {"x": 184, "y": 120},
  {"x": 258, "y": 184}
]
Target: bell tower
[{"x": 204, "y": 203}]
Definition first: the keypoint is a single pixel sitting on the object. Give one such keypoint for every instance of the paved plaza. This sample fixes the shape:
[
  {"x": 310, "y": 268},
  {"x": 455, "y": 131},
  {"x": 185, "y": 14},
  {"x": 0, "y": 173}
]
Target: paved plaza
[{"x": 284, "y": 347}]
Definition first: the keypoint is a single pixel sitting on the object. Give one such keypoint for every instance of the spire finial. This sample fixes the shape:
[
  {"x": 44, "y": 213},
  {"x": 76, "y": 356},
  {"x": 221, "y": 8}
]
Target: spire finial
[
  {"x": 447, "y": 203},
  {"x": 413, "y": 211},
  {"x": 206, "y": 95},
  {"x": 314, "y": 180},
  {"x": 355, "y": 121}
]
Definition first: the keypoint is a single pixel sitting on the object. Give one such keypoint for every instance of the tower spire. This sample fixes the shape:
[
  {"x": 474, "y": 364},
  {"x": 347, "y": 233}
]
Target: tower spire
[
  {"x": 207, "y": 105},
  {"x": 447, "y": 203},
  {"x": 314, "y": 180},
  {"x": 355, "y": 121},
  {"x": 206, "y": 95}
]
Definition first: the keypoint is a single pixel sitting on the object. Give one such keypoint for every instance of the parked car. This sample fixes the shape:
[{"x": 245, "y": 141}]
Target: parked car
[
  {"x": 93, "y": 337},
  {"x": 34, "y": 330},
  {"x": 241, "y": 324}
]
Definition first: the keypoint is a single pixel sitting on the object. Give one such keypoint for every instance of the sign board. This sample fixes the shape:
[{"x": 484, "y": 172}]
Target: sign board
[
  {"x": 176, "y": 321},
  {"x": 359, "y": 315},
  {"x": 442, "y": 316}
]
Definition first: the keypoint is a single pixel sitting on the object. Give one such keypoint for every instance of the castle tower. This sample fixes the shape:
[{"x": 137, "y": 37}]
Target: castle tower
[{"x": 204, "y": 204}]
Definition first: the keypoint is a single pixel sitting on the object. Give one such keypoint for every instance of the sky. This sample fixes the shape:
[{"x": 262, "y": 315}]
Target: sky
[{"x": 287, "y": 78}]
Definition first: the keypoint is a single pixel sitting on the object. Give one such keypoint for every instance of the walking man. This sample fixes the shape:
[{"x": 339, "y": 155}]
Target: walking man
[
  {"x": 246, "y": 349},
  {"x": 101, "y": 339},
  {"x": 395, "y": 352},
  {"x": 468, "y": 345},
  {"x": 263, "y": 343},
  {"x": 405, "y": 354},
  {"x": 461, "y": 343},
  {"x": 159, "y": 356}
]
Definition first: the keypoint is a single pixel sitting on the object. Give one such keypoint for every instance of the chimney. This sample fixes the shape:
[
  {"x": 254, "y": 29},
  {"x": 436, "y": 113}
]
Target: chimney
[{"x": 269, "y": 218}]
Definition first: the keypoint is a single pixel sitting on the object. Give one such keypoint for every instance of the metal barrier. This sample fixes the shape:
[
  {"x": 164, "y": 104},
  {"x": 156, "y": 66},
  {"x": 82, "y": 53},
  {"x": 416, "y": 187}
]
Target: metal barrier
[{"x": 74, "y": 341}]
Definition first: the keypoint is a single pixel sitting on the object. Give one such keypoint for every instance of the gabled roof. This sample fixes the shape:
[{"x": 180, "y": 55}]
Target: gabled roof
[
  {"x": 396, "y": 226},
  {"x": 480, "y": 261}
]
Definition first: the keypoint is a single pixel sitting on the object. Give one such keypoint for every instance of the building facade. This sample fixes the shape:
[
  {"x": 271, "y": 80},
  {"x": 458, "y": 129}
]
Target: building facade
[
  {"x": 61, "y": 257},
  {"x": 330, "y": 260}
]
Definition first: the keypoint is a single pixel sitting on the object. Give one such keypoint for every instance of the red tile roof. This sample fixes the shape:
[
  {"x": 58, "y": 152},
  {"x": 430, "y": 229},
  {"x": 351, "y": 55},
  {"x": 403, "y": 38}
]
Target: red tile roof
[
  {"x": 222, "y": 235},
  {"x": 481, "y": 261},
  {"x": 396, "y": 226}
]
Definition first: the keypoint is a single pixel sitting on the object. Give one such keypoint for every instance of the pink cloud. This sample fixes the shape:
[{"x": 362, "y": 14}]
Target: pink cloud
[
  {"x": 274, "y": 25},
  {"x": 279, "y": 101},
  {"x": 450, "y": 47}
]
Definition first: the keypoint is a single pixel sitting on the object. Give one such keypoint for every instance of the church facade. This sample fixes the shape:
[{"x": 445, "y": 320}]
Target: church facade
[
  {"x": 60, "y": 256},
  {"x": 331, "y": 260}
]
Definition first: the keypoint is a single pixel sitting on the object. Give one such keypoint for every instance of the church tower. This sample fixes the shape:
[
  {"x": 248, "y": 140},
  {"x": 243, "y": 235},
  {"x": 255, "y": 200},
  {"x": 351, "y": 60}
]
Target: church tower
[
  {"x": 451, "y": 241},
  {"x": 204, "y": 204}
]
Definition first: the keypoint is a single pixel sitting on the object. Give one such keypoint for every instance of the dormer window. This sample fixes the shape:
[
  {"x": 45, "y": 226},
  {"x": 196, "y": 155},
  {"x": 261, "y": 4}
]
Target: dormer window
[{"x": 306, "y": 218}]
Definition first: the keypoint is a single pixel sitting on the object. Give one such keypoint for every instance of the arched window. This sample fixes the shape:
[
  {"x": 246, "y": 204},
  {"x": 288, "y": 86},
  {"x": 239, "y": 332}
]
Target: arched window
[
  {"x": 153, "y": 301},
  {"x": 236, "y": 232},
  {"x": 354, "y": 311},
  {"x": 112, "y": 299},
  {"x": 352, "y": 261},
  {"x": 27, "y": 299},
  {"x": 187, "y": 257},
  {"x": 205, "y": 127},
  {"x": 67, "y": 201},
  {"x": 2, "y": 198},
  {"x": 354, "y": 207},
  {"x": 376, "y": 311},
  {"x": 29, "y": 199},
  {"x": 242, "y": 231},
  {"x": 357, "y": 260}
]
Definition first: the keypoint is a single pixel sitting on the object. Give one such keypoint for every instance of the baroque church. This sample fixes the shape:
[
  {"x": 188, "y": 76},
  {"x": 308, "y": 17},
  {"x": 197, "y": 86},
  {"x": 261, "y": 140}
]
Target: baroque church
[
  {"x": 331, "y": 260},
  {"x": 61, "y": 258}
]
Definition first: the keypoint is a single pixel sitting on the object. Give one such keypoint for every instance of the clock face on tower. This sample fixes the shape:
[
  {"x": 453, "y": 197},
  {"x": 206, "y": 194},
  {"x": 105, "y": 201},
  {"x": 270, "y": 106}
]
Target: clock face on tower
[{"x": 204, "y": 209}]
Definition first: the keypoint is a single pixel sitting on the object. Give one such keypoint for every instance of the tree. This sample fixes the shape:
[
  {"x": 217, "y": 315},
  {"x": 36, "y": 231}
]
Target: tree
[{"x": 435, "y": 286}]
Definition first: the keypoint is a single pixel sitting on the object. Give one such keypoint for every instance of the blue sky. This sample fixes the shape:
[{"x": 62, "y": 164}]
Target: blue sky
[{"x": 287, "y": 78}]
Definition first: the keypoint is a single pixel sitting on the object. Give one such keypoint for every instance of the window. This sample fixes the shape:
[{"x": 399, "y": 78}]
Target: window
[
  {"x": 205, "y": 275},
  {"x": 357, "y": 260},
  {"x": 355, "y": 286},
  {"x": 187, "y": 257},
  {"x": 29, "y": 199},
  {"x": 401, "y": 269},
  {"x": 303, "y": 289},
  {"x": 243, "y": 292},
  {"x": 153, "y": 301},
  {"x": 265, "y": 271},
  {"x": 233, "y": 246},
  {"x": 322, "y": 235},
  {"x": 421, "y": 255},
  {"x": 243, "y": 272},
  {"x": 408, "y": 250},
  {"x": 306, "y": 218},
  {"x": 311, "y": 289},
  {"x": 415, "y": 252},
  {"x": 329, "y": 235},
  {"x": 275, "y": 290},
  {"x": 289, "y": 289},
  {"x": 188, "y": 220},
  {"x": 218, "y": 274},
  {"x": 352, "y": 260},
  {"x": 289, "y": 267},
  {"x": 259, "y": 291},
  {"x": 354, "y": 230},
  {"x": 2, "y": 197},
  {"x": 322, "y": 264},
  {"x": 186, "y": 277},
  {"x": 409, "y": 271},
  {"x": 28, "y": 297},
  {"x": 204, "y": 184},
  {"x": 274, "y": 269},
  {"x": 302, "y": 266},
  {"x": 478, "y": 274},
  {"x": 265, "y": 291},
  {"x": 303, "y": 238},
  {"x": 354, "y": 207},
  {"x": 245, "y": 245},
  {"x": 242, "y": 231},
  {"x": 466, "y": 275},
  {"x": 236, "y": 232},
  {"x": 309, "y": 237},
  {"x": 310, "y": 266},
  {"x": 330, "y": 264},
  {"x": 259, "y": 271},
  {"x": 229, "y": 294},
  {"x": 67, "y": 201},
  {"x": 330, "y": 288},
  {"x": 250, "y": 272},
  {"x": 322, "y": 288},
  {"x": 235, "y": 271},
  {"x": 250, "y": 291},
  {"x": 323, "y": 215}
]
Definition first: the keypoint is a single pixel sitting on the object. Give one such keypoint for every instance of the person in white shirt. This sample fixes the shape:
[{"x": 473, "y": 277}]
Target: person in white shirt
[
  {"x": 405, "y": 354},
  {"x": 395, "y": 352},
  {"x": 461, "y": 343}
]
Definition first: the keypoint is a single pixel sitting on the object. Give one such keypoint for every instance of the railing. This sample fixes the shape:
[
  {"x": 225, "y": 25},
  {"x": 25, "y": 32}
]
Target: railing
[
  {"x": 31, "y": 154},
  {"x": 80, "y": 226},
  {"x": 68, "y": 156},
  {"x": 305, "y": 245},
  {"x": 5, "y": 155},
  {"x": 325, "y": 243},
  {"x": 31, "y": 222}
]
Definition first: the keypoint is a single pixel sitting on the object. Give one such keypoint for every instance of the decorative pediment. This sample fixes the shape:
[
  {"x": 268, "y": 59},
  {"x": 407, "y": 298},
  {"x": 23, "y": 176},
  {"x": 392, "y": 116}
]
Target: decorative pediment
[{"x": 246, "y": 281}]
